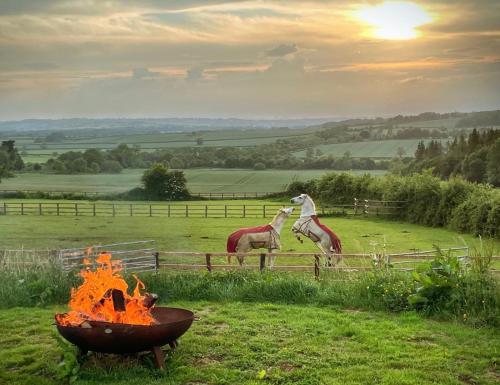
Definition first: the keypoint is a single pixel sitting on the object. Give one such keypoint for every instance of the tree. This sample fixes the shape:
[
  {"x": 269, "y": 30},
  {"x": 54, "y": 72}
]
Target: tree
[
  {"x": 111, "y": 167},
  {"x": 162, "y": 184},
  {"x": 420, "y": 152},
  {"x": 474, "y": 166},
  {"x": 493, "y": 164},
  {"x": 259, "y": 166}
]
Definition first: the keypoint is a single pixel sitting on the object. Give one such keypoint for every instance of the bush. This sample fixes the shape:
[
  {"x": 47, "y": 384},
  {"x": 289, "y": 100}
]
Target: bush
[{"x": 458, "y": 204}]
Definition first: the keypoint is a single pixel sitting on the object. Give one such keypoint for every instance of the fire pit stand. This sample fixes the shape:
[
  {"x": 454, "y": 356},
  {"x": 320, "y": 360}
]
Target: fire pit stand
[{"x": 117, "y": 338}]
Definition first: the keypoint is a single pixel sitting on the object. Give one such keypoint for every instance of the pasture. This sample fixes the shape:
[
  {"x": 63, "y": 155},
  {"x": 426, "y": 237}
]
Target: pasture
[
  {"x": 369, "y": 149},
  {"x": 358, "y": 234},
  {"x": 254, "y": 343},
  {"x": 198, "y": 180}
]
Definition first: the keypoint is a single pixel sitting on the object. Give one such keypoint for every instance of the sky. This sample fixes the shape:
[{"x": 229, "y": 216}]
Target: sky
[{"x": 248, "y": 59}]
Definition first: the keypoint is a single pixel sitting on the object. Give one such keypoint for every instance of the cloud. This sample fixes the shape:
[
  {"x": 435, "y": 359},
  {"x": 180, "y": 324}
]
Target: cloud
[
  {"x": 195, "y": 73},
  {"x": 142, "y": 73},
  {"x": 282, "y": 50}
]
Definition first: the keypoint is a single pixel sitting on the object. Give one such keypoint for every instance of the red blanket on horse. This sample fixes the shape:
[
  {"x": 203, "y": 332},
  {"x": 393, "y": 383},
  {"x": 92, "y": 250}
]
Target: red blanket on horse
[
  {"x": 333, "y": 237},
  {"x": 234, "y": 238}
]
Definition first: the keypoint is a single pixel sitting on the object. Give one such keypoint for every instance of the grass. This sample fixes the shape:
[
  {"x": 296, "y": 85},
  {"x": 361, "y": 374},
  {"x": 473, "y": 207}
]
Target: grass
[
  {"x": 370, "y": 149},
  {"x": 263, "y": 343},
  {"x": 199, "y": 180},
  {"x": 209, "y": 235}
]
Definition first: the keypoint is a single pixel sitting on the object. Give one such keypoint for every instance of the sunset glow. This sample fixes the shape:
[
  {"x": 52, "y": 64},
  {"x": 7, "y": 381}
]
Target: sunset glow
[{"x": 394, "y": 20}]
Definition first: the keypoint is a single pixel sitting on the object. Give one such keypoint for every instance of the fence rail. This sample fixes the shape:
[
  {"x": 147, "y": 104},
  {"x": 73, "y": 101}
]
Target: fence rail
[
  {"x": 141, "y": 256},
  {"x": 96, "y": 194},
  {"x": 175, "y": 210}
]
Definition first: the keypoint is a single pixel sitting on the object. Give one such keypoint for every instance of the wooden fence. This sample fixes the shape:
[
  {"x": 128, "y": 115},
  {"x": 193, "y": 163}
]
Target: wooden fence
[
  {"x": 175, "y": 210},
  {"x": 141, "y": 256},
  {"x": 97, "y": 194}
]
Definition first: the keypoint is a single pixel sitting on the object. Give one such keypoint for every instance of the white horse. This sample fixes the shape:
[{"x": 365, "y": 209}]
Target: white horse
[
  {"x": 267, "y": 237},
  {"x": 309, "y": 225}
]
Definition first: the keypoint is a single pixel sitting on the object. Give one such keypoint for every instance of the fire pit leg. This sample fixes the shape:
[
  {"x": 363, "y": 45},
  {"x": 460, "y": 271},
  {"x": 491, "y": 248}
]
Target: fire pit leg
[
  {"x": 173, "y": 344},
  {"x": 159, "y": 357},
  {"x": 82, "y": 353}
]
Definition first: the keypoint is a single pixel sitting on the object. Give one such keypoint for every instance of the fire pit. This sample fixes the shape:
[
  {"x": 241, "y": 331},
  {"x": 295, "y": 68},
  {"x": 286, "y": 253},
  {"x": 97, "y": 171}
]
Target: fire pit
[{"x": 104, "y": 318}]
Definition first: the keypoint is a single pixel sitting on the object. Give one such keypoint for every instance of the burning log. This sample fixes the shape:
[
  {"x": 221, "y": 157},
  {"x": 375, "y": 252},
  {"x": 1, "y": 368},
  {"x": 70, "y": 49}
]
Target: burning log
[{"x": 103, "y": 297}]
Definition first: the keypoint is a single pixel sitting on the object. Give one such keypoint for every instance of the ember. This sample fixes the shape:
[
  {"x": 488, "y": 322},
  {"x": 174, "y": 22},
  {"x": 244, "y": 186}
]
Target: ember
[{"x": 103, "y": 297}]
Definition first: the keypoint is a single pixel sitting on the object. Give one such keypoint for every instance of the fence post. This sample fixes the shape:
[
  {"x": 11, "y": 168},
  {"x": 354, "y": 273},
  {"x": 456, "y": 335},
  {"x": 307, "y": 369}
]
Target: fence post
[
  {"x": 244, "y": 211},
  {"x": 93, "y": 209},
  {"x": 222, "y": 196},
  {"x": 39, "y": 209},
  {"x": 187, "y": 211},
  {"x": 316, "y": 266},
  {"x": 209, "y": 263},
  {"x": 157, "y": 261},
  {"x": 206, "y": 211},
  {"x": 5, "y": 208},
  {"x": 76, "y": 209},
  {"x": 114, "y": 210},
  {"x": 262, "y": 265},
  {"x": 22, "y": 208},
  {"x": 57, "y": 208},
  {"x": 131, "y": 210},
  {"x": 168, "y": 211},
  {"x": 263, "y": 211},
  {"x": 150, "y": 211},
  {"x": 355, "y": 206}
]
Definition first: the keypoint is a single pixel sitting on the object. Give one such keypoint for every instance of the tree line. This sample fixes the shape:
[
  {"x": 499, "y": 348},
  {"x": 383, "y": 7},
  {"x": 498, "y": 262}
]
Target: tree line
[{"x": 476, "y": 157}]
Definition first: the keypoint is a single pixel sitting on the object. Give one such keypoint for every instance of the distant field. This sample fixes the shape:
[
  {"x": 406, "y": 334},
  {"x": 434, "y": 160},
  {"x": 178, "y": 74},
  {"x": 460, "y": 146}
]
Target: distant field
[
  {"x": 374, "y": 149},
  {"x": 40, "y": 152},
  {"x": 199, "y": 180}
]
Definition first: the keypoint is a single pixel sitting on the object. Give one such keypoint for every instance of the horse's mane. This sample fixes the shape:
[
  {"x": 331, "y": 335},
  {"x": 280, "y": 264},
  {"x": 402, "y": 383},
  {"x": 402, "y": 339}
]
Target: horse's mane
[
  {"x": 312, "y": 202},
  {"x": 276, "y": 216}
]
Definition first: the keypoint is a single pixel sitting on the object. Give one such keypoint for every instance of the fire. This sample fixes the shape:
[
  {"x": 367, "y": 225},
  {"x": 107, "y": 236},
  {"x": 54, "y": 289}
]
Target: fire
[{"x": 103, "y": 297}]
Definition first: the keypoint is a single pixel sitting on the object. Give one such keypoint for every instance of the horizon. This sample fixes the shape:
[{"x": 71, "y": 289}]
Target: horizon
[{"x": 251, "y": 59}]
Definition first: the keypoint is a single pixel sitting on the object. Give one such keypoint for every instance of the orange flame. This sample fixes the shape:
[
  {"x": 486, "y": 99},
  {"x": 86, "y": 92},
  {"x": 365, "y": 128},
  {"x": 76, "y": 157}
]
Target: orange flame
[{"x": 92, "y": 299}]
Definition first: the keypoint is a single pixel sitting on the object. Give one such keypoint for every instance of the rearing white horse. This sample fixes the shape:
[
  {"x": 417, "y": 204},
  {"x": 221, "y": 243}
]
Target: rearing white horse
[{"x": 309, "y": 225}]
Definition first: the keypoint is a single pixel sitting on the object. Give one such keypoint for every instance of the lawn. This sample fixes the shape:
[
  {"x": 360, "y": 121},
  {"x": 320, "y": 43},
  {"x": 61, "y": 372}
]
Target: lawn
[
  {"x": 262, "y": 343},
  {"x": 209, "y": 235},
  {"x": 198, "y": 180},
  {"x": 370, "y": 149}
]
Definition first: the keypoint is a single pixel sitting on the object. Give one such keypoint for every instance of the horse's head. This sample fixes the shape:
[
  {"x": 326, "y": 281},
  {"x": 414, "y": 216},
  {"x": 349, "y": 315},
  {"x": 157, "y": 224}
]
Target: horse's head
[
  {"x": 287, "y": 211},
  {"x": 299, "y": 200}
]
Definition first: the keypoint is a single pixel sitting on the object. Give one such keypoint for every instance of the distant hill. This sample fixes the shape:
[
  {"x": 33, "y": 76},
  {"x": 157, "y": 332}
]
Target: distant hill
[
  {"x": 465, "y": 119},
  {"x": 159, "y": 124}
]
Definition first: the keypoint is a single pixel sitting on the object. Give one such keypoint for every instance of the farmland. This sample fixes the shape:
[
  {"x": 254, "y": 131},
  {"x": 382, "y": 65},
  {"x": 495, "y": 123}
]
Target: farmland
[
  {"x": 198, "y": 180},
  {"x": 251, "y": 343},
  {"x": 369, "y": 149}
]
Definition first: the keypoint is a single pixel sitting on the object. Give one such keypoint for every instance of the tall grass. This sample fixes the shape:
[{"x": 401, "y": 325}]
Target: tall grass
[{"x": 474, "y": 296}]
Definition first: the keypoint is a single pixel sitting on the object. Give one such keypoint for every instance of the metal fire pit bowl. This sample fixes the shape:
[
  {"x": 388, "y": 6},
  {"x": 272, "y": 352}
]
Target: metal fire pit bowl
[{"x": 106, "y": 337}]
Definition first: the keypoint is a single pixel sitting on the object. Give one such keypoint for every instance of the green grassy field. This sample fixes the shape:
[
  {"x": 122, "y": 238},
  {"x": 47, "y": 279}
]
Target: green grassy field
[
  {"x": 38, "y": 152},
  {"x": 261, "y": 343},
  {"x": 370, "y": 149},
  {"x": 209, "y": 235},
  {"x": 199, "y": 180}
]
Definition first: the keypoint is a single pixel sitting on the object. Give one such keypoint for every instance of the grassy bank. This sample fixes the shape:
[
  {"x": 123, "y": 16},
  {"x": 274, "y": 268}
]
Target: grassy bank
[{"x": 265, "y": 343}]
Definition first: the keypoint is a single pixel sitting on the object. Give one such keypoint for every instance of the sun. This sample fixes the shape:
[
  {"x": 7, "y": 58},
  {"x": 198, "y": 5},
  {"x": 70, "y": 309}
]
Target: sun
[{"x": 394, "y": 20}]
